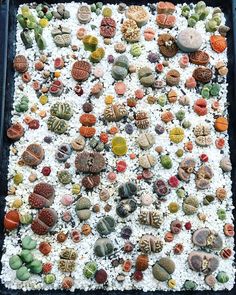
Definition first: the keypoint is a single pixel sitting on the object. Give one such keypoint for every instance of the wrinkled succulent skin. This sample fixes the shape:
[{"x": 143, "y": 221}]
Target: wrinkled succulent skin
[
  {"x": 204, "y": 237},
  {"x": 186, "y": 167},
  {"x": 203, "y": 262},
  {"x": 127, "y": 190}
]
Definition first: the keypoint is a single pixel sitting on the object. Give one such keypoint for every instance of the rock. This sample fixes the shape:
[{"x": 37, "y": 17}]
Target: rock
[
  {"x": 153, "y": 218},
  {"x": 150, "y": 243},
  {"x": 83, "y": 208},
  {"x": 189, "y": 40},
  {"x": 89, "y": 162}
]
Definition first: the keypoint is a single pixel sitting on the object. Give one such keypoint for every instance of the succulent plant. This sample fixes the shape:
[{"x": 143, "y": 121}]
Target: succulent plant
[
  {"x": 97, "y": 55},
  {"x": 120, "y": 67},
  {"x": 57, "y": 125},
  {"x": 23, "y": 106},
  {"x": 90, "y": 43},
  {"x": 222, "y": 277},
  {"x": 190, "y": 285},
  {"x": 42, "y": 196},
  {"x": 146, "y": 76},
  {"x": 126, "y": 207},
  {"x": 204, "y": 237},
  {"x": 62, "y": 110},
  {"x": 28, "y": 243},
  {"x": 153, "y": 218},
  {"x": 150, "y": 243},
  {"x": 90, "y": 269},
  {"x": 163, "y": 268},
  {"x": 22, "y": 273},
  {"x": 64, "y": 176},
  {"x": 61, "y": 36},
  {"x": 15, "y": 262},
  {"x": 106, "y": 225},
  {"x": 63, "y": 153},
  {"x": 83, "y": 208},
  {"x": 103, "y": 247},
  {"x": 89, "y": 162},
  {"x": 203, "y": 262},
  {"x": 190, "y": 205},
  {"x": 166, "y": 161},
  {"x": 127, "y": 190}
]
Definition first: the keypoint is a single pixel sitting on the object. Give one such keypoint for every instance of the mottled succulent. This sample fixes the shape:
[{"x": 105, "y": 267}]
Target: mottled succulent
[
  {"x": 127, "y": 190},
  {"x": 103, "y": 247},
  {"x": 150, "y": 243},
  {"x": 89, "y": 162},
  {"x": 97, "y": 55},
  {"x": 203, "y": 262},
  {"x": 106, "y": 225},
  {"x": 126, "y": 207},
  {"x": 153, "y": 218},
  {"x": 204, "y": 237},
  {"x": 190, "y": 205},
  {"x": 186, "y": 168}
]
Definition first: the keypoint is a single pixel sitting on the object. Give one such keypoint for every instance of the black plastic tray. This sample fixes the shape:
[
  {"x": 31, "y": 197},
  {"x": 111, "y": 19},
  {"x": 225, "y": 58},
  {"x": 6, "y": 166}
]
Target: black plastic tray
[{"x": 8, "y": 10}]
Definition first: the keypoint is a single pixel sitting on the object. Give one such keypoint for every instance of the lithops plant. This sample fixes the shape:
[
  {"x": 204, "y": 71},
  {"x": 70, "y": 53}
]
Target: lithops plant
[
  {"x": 190, "y": 205},
  {"x": 225, "y": 164},
  {"x": 204, "y": 237},
  {"x": 131, "y": 32},
  {"x": 161, "y": 188},
  {"x": 67, "y": 260},
  {"x": 42, "y": 196},
  {"x": 44, "y": 221},
  {"x": 103, "y": 247},
  {"x": 115, "y": 112},
  {"x": 87, "y": 162},
  {"x": 61, "y": 36},
  {"x": 186, "y": 168},
  {"x": 61, "y": 12},
  {"x": 150, "y": 243},
  {"x": 202, "y": 133},
  {"x": 147, "y": 161},
  {"x": 153, "y": 218},
  {"x": 120, "y": 67},
  {"x": 84, "y": 14},
  {"x": 126, "y": 207},
  {"x": 83, "y": 208},
  {"x": 203, "y": 262},
  {"x": 106, "y": 225},
  {"x": 62, "y": 110},
  {"x": 33, "y": 155},
  {"x": 203, "y": 177},
  {"x": 138, "y": 14},
  {"x": 189, "y": 40},
  {"x": 63, "y": 153},
  {"x": 146, "y": 76},
  {"x": 163, "y": 269},
  {"x": 146, "y": 140},
  {"x": 108, "y": 27},
  {"x": 127, "y": 190},
  {"x": 90, "y": 269},
  {"x": 81, "y": 70},
  {"x": 142, "y": 120}
]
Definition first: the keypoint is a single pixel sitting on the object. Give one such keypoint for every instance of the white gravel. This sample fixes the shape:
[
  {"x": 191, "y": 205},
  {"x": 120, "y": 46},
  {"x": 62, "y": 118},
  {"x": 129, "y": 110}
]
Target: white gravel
[{"x": 85, "y": 246}]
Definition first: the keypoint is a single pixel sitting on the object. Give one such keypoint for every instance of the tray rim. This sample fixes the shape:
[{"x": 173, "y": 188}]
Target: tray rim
[{"x": 5, "y": 5}]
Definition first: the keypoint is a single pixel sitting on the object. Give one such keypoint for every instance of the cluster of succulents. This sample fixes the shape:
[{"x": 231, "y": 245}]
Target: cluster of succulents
[
  {"x": 25, "y": 262},
  {"x": 201, "y": 11},
  {"x": 106, "y": 167}
]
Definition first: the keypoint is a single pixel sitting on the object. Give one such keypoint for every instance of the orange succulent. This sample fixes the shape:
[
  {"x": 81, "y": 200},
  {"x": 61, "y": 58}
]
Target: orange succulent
[{"x": 218, "y": 43}]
